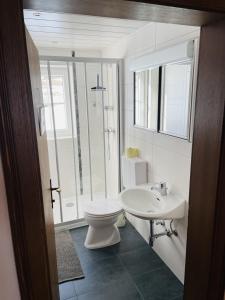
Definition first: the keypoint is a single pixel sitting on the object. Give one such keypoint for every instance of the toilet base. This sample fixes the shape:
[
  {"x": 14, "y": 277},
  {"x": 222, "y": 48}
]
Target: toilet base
[{"x": 98, "y": 237}]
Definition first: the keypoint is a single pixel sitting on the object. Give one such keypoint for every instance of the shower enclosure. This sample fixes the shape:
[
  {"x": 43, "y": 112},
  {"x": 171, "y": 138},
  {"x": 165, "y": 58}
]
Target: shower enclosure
[{"x": 81, "y": 105}]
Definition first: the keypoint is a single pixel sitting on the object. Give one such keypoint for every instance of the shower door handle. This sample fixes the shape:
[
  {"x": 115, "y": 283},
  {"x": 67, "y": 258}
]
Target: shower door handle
[{"x": 52, "y": 189}]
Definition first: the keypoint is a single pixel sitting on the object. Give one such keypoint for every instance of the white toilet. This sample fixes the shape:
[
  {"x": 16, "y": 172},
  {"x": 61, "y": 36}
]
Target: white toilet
[{"x": 101, "y": 217}]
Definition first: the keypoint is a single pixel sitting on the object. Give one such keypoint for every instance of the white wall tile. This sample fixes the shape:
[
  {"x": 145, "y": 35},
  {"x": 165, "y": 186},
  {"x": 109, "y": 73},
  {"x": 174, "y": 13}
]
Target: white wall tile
[
  {"x": 169, "y": 158},
  {"x": 173, "y": 168},
  {"x": 174, "y": 144}
]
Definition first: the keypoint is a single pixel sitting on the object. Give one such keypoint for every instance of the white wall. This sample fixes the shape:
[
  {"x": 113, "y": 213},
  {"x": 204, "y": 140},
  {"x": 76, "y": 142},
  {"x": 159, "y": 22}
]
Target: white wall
[
  {"x": 9, "y": 288},
  {"x": 169, "y": 158}
]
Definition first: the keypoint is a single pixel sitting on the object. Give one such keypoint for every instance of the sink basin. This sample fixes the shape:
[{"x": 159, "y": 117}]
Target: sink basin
[{"x": 146, "y": 204}]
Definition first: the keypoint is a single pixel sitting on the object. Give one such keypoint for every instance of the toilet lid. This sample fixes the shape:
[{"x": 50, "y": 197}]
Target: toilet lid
[{"x": 102, "y": 207}]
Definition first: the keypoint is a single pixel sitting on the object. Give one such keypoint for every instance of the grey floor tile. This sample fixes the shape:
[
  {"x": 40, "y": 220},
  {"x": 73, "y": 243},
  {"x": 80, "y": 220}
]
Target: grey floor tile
[
  {"x": 141, "y": 260},
  {"x": 120, "y": 290},
  {"x": 67, "y": 290},
  {"x": 86, "y": 255},
  {"x": 99, "y": 275},
  {"x": 129, "y": 270},
  {"x": 130, "y": 239},
  {"x": 160, "y": 284}
]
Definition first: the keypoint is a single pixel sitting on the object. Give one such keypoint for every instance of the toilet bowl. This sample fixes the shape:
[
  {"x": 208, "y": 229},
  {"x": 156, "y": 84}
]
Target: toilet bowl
[{"x": 101, "y": 217}]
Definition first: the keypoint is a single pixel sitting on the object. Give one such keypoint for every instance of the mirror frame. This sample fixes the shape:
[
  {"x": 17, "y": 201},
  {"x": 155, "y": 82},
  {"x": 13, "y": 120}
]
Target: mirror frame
[
  {"x": 158, "y": 101},
  {"x": 190, "y": 100},
  {"x": 192, "y": 96}
]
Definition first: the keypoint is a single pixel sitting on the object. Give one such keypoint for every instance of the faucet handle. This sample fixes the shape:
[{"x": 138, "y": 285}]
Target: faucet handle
[{"x": 163, "y": 188}]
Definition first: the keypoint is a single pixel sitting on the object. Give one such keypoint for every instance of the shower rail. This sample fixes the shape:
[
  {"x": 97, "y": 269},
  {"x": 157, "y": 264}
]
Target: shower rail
[{"x": 80, "y": 59}]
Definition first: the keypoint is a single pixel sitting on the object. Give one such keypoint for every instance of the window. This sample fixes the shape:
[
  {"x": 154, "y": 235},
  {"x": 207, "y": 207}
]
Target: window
[
  {"x": 61, "y": 103},
  {"x": 176, "y": 99},
  {"x": 146, "y": 98}
]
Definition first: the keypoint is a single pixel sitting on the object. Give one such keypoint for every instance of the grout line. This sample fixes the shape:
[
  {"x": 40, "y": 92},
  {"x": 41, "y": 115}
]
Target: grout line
[
  {"x": 74, "y": 286},
  {"x": 142, "y": 297},
  {"x": 74, "y": 296},
  {"x": 131, "y": 250}
]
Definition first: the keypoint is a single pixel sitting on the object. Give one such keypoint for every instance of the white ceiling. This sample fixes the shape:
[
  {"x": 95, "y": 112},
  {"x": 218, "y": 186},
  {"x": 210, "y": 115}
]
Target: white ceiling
[{"x": 77, "y": 31}]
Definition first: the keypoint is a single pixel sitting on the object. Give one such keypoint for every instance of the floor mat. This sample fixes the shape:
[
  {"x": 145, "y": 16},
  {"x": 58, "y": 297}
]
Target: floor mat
[{"x": 68, "y": 263}]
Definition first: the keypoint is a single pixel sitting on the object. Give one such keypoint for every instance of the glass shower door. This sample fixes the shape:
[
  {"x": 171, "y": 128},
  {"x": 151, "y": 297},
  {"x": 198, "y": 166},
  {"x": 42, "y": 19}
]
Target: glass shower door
[
  {"x": 96, "y": 119},
  {"x": 81, "y": 105},
  {"x": 60, "y": 135}
]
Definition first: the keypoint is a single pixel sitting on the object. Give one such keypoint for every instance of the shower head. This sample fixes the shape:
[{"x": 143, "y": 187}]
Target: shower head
[{"x": 98, "y": 87}]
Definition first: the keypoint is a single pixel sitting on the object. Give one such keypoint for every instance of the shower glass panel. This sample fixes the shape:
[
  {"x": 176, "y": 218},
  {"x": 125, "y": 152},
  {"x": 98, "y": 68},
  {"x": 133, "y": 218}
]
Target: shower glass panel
[
  {"x": 110, "y": 82},
  {"x": 95, "y": 99},
  {"x": 81, "y": 116},
  {"x": 80, "y": 119}
]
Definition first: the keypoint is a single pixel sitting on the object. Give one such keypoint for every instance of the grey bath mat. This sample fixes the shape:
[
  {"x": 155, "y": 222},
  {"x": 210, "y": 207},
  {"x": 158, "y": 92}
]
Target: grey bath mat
[{"x": 68, "y": 263}]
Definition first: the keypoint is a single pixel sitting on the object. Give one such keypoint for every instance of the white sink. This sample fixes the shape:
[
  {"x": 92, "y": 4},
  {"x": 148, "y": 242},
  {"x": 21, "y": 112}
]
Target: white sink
[{"x": 146, "y": 204}]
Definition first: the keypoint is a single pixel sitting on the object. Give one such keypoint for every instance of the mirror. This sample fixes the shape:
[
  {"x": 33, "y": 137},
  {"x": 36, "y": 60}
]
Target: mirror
[
  {"x": 163, "y": 98},
  {"x": 146, "y": 93},
  {"x": 175, "y": 107}
]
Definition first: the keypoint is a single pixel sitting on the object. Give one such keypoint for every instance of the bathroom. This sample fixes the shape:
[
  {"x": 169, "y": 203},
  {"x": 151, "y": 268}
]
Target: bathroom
[{"x": 107, "y": 137}]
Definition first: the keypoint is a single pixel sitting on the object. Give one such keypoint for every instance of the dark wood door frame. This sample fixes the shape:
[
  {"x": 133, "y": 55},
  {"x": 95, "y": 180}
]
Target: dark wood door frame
[
  {"x": 206, "y": 221},
  {"x": 19, "y": 155},
  {"x": 168, "y": 11},
  {"x": 206, "y": 239}
]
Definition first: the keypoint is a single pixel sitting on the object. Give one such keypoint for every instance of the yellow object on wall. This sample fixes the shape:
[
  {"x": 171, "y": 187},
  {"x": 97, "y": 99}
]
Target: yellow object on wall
[{"x": 132, "y": 152}]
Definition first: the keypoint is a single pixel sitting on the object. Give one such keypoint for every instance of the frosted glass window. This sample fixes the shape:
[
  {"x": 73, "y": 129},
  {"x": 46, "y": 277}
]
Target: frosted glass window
[
  {"x": 61, "y": 99},
  {"x": 176, "y": 99},
  {"x": 58, "y": 91},
  {"x": 146, "y": 98},
  {"x": 60, "y": 116}
]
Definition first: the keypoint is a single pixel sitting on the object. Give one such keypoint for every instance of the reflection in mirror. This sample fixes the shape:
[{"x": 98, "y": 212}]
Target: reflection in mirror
[
  {"x": 176, "y": 99},
  {"x": 146, "y": 98}
]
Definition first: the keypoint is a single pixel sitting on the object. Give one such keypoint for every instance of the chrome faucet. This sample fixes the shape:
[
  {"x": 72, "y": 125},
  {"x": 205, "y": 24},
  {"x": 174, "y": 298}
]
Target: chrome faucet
[{"x": 161, "y": 188}]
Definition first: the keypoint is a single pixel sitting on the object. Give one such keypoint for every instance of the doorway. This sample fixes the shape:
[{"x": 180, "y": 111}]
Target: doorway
[{"x": 206, "y": 130}]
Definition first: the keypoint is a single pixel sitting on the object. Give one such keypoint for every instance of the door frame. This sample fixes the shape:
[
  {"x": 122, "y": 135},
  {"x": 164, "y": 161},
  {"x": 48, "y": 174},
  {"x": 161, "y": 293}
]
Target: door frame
[{"x": 206, "y": 240}]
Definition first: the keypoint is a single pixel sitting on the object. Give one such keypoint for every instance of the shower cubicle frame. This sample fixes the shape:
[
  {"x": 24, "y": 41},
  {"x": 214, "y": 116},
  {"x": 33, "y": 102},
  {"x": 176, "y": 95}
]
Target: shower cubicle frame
[{"x": 120, "y": 113}]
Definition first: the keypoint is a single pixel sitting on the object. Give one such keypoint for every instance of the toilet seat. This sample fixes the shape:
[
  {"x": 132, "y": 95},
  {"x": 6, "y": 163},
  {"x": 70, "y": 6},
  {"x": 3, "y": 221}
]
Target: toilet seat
[{"x": 102, "y": 208}]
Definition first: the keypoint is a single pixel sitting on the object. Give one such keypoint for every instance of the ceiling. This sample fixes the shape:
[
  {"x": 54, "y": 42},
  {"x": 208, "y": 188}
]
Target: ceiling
[{"x": 77, "y": 31}]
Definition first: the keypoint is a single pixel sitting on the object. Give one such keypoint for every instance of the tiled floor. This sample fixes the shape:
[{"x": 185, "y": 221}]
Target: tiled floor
[{"x": 127, "y": 271}]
